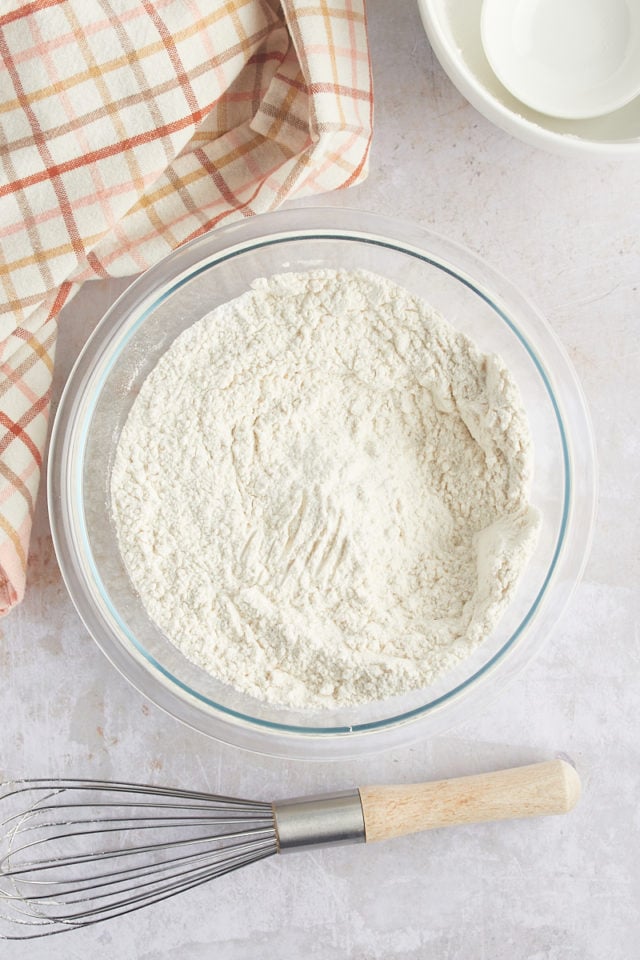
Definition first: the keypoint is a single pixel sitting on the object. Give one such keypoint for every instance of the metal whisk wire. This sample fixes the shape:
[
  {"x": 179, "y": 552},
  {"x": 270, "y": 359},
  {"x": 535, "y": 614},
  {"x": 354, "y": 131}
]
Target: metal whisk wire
[{"x": 79, "y": 851}]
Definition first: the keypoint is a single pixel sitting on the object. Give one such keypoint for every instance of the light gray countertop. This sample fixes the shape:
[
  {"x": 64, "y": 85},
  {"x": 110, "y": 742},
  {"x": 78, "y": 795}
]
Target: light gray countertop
[{"x": 566, "y": 232}]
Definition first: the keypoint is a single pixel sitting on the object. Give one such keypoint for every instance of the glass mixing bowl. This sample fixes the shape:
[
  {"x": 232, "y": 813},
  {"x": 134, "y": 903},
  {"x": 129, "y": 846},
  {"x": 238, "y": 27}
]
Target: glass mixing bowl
[{"x": 214, "y": 268}]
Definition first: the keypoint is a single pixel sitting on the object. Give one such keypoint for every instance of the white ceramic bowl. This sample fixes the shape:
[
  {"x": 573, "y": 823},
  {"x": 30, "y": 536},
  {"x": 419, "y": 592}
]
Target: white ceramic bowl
[
  {"x": 571, "y": 59},
  {"x": 213, "y": 269},
  {"x": 453, "y": 29}
]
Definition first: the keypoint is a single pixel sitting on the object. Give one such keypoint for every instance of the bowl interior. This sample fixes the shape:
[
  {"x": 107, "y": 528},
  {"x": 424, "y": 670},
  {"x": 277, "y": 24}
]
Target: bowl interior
[
  {"x": 455, "y": 31},
  {"x": 567, "y": 60},
  {"x": 142, "y": 335}
]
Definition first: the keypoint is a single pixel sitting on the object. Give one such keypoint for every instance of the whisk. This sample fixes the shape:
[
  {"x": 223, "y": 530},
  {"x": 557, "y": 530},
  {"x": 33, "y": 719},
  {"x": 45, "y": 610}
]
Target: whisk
[{"x": 75, "y": 852}]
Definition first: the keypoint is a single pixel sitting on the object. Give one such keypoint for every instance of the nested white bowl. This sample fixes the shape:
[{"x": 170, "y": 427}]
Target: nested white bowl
[
  {"x": 180, "y": 290},
  {"x": 453, "y": 29}
]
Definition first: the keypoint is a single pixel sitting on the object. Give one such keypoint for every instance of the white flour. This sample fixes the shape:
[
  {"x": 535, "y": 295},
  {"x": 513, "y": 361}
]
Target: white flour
[{"x": 320, "y": 493}]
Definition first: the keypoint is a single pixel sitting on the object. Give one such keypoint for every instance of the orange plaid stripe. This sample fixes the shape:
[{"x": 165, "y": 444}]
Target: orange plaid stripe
[{"x": 133, "y": 126}]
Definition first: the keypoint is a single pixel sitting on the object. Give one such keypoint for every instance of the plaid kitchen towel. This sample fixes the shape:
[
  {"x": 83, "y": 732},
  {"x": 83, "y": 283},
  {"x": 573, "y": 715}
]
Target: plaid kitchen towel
[{"x": 130, "y": 126}]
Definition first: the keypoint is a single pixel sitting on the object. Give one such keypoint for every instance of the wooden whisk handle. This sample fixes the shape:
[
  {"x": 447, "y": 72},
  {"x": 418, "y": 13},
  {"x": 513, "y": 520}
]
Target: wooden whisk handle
[{"x": 536, "y": 790}]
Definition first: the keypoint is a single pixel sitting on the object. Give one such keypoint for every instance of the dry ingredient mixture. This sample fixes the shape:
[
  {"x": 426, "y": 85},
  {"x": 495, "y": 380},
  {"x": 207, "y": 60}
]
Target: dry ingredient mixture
[{"x": 321, "y": 491}]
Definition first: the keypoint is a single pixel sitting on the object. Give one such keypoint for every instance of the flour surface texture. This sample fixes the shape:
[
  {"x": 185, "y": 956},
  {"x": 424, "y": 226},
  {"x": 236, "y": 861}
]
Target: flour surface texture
[{"x": 321, "y": 491}]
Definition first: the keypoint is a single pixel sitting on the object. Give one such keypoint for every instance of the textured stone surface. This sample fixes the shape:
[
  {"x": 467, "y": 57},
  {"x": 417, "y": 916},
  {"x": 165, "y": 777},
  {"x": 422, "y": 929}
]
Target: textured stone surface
[{"x": 566, "y": 231}]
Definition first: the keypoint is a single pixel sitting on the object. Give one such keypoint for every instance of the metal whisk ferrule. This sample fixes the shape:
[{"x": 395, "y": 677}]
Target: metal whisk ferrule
[{"x": 328, "y": 819}]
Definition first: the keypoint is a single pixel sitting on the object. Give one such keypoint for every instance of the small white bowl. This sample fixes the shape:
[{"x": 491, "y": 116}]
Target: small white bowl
[
  {"x": 572, "y": 59},
  {"x": 453, "y": 29}
]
